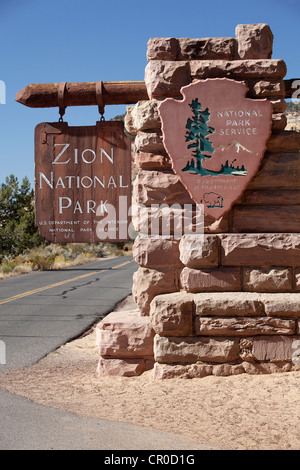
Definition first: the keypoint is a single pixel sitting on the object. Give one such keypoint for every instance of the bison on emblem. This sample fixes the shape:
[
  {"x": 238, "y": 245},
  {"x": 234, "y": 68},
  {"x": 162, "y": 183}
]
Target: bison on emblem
[{"x": 213, "y": 200}]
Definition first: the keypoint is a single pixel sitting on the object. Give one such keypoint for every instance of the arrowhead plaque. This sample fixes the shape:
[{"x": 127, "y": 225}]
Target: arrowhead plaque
[{"x": 216, "y": 139}]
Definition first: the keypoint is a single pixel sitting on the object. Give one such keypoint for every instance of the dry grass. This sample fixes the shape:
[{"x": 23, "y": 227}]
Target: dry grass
[{"x": 57, "y": 256}]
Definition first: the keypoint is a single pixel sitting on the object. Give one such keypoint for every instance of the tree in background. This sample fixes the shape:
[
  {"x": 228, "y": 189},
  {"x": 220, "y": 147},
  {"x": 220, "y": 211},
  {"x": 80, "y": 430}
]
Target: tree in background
[{"x": 17, "y": 228}]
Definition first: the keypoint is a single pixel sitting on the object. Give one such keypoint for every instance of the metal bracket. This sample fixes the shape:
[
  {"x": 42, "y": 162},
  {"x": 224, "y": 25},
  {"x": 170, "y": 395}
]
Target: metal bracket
[
  {"x": 100, "y": 99},
  {"x": 60, "y": 99}
]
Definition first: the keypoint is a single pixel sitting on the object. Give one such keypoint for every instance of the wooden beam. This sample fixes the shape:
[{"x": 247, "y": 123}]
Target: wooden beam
[{"x": 44, "y": 95}]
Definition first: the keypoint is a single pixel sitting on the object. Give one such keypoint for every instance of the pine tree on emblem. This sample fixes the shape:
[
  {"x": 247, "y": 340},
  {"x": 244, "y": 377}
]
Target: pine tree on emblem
[{"x": 197, "y": 132}]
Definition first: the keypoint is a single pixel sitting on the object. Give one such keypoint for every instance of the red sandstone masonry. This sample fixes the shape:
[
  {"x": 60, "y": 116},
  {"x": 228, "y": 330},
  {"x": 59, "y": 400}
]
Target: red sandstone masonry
[
  {"x": 268, "y": 280},
  {"x": 184, "y": 350},
  {"x": 254, "y": 41},
  {"x": 281, "y": 144},
  {"x": 156, "y": 253},
  {"x": 231, "y": 305},
  {"x": 165, "y": 78},
  {"x": 210, "y": 280},
  {"x": 270, "y": 197},
  {"x": 147, "y": 283},
  {"x": 271, "y": 219},
  {"x": 286, "y": 141},
  {"x": 263, "y": 250},
  {"x": 206, "y": 326}
]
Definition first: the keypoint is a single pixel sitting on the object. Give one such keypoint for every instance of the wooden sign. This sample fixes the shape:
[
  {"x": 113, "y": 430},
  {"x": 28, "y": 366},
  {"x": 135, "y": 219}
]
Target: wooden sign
[
  {"x": 82, "y": 182},
  {"x": 216, "y": 139}
]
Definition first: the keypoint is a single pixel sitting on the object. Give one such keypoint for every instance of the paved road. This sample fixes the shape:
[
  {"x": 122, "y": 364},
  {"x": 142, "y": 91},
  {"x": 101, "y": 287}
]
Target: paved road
[
  {"x": 25, "y": 425},
  {"x": 41, "y": 311},
  {"x": 38, "y": 313}
]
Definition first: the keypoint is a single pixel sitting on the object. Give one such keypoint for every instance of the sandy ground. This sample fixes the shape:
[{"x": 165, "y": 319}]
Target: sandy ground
[{"x": 241, "y": 412}]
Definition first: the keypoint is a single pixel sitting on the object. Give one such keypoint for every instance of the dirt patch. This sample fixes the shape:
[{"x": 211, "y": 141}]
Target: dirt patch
[{"x": 241, "y": 412}]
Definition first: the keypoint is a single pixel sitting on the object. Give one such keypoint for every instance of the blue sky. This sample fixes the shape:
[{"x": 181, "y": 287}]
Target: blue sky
[{"x": 74, "y": 40}]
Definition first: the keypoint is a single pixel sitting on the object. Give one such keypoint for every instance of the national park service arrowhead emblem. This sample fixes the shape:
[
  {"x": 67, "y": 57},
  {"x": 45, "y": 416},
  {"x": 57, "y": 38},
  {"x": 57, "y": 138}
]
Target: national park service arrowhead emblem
[{"x": 216, "y": 139}]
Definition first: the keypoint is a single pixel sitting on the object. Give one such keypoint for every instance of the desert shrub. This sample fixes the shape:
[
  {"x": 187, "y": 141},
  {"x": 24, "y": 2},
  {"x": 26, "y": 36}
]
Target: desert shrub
[{"x": 41, "y": 263}]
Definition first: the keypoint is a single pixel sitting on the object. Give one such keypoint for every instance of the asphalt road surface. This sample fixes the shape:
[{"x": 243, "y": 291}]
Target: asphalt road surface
[
  {"x": 25, "y": 425},
  {"x": 41, "y": 311},
  {"x": 38, "y": 313}
]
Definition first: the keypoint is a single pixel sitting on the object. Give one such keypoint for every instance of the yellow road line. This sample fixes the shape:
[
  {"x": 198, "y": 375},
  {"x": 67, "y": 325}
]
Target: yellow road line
[{"x": 57, "y": 284}]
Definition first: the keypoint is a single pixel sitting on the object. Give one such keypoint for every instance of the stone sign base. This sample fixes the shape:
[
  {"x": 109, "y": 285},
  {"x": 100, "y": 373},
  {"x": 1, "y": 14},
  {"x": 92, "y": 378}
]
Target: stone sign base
[
  {"x": 195, "y": 335},
  {"x": 228, "y": 304},
  {"x": 125, "y": 342}
]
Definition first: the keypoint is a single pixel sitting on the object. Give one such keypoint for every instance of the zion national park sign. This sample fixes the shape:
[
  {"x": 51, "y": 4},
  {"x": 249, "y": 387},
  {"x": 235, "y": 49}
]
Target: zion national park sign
[{"x": 216, "y": 138}]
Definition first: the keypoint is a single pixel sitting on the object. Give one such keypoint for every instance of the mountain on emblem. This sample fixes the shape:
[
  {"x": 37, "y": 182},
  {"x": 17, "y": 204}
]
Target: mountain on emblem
[
  {"x": 236, "y": 146},
  {"x": 216, "y": 138}
]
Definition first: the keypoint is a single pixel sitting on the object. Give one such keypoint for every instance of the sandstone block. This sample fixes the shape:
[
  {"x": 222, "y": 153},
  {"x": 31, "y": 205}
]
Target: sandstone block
[
  {"x": 266, "y": 88},
  {"x": 125, "y": 334},
  {"x": 273, "y": 166},
  {"x": 225, "y": 370},
  {"x": 120, "y": 367},
  {"x": 142, "y": 117},
  {"x": 198, "y": 252},
  {"x": 266, "y": 367},
  {"x": 155, "y": 253},
  {"x": 297, "y": 279},
  {"x": 166, "y": 221},
  {"x": 216, "y": 226},
  {"x": 243, "y": 326},
  {"x": 162, "y": 49},
  {"x": 282, "y": 305},
  {"x": 207, "y": 48},
  {"x": 147, "y": 283},
  {"x": 278, "y": 105},
  {"x": 172, "y": 314},
  {"x": 238, "y": 69},
  {"x": 185, "y": 350},
  {"x": 157, "y": 187},
  {"x": 228, "y": 304},
  {"x": 275, "y": 348},
  {"x": 149, "y": 142},
  {"x": 271, "y": 197},
  {"x": 279, "y": 121},
  {"x": 255, "y": 41},
  {"x": 179, "y": 371},
  {"x": 197, "y": 370},
  {"x": 286, "y": 141},
  {"x": 128, "y": 121},
  {"x": 263, "y": 249},
  {"x": 266, "y": 219},
  {"x": 267, "y": 280},
  {"x": 210, "y": 280},
  {"x": 152, "y": 161},
  {"x": 165, "y": 78}
]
